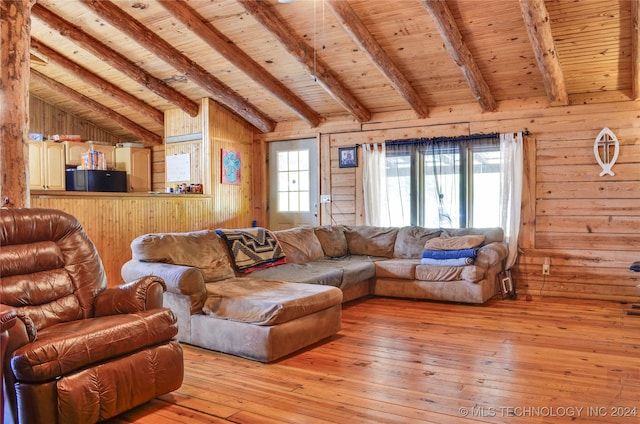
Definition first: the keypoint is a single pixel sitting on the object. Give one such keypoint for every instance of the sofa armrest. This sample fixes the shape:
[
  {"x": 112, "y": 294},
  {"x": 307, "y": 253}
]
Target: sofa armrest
[
  {"x": 179, "y": 279},
  {"x": 140, "y": 295},
  {"x": 491, "y": 254}
]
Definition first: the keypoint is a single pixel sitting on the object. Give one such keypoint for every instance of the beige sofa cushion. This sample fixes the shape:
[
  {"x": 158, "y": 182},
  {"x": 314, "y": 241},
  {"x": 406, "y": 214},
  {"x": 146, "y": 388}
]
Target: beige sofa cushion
[
  {"x": 201, "y": 249},
  {"x": 410, "y": 241},
  {"x": 404, "y": 269},
  {"x": 469, "y": 273},
  {"x": 490, "y": 234},
  {"x": 300, "y": 245},
  {"x": 372, "y": 241},
  {"x": 333, "y": 240},
  {"x": 454, "y": 242}
]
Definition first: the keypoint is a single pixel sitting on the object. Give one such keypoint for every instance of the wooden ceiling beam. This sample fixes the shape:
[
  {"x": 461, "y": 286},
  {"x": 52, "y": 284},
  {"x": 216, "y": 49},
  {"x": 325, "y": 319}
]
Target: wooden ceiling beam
[
  {"x": 146, "y": 135},
  {"x": 635, "y": 50},
  {"x": 242, "y": 61},
  {"x": 105, "y": 87},
  {"x": 361, "y": 35},
  {"x": 305, "y": 55},
  {"x": 193, "y": 71},
  {"x": 453, "y": 42},
  {"x": 538, "y": 23},
  {"x": 115, "y": 59}
]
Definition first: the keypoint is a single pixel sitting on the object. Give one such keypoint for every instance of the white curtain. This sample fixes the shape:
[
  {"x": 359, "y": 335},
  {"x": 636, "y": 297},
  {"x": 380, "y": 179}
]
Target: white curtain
[
  {"x": 511, "y": 191},
  {"x": 374, "y": 173}
]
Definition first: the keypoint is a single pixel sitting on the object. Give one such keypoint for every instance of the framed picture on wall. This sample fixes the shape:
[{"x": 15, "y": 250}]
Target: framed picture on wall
[
  {"x": 230, "y": 167},
  {"x": 347, "y": 157}
]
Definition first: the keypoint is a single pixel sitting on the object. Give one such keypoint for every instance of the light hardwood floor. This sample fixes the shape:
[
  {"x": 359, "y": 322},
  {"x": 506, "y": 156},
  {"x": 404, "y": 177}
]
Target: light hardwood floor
[{"x": 402, "y": 361}]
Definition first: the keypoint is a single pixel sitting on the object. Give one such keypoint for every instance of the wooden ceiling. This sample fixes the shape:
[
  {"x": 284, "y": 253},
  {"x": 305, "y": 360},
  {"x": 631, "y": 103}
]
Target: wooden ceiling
[{"x": 120, "y": 64}]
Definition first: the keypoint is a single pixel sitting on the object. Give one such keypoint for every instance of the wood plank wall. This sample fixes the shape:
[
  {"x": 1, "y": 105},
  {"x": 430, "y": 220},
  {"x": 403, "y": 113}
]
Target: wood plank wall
[
  {"x": 112, "y": 221},
  {"x": 49, "y": 120},
  {"x": 157, "y": 168},
  {"x": 588, "y": 226}
]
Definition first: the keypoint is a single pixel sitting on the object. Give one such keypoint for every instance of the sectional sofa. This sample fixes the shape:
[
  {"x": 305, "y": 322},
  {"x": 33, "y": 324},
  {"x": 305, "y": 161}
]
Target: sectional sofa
[{"x": 264, "y": 294}]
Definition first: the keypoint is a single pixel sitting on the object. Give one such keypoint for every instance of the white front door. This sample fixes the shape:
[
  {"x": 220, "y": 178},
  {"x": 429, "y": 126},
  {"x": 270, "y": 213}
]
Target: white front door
[{"x": 293, "y": 183}]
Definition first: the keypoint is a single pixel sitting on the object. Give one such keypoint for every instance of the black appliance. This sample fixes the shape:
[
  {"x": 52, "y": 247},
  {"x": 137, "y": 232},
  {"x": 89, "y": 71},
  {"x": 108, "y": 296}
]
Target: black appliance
[{"x": 96, "y": 180}]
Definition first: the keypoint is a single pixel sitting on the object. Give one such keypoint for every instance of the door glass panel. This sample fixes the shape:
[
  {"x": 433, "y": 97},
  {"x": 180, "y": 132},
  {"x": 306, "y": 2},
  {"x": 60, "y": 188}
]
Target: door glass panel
[
  {"x": 304, "y": 181},
  {"x": 293, "y": 181},
  {"x": 294, "y": 202},
  {"x": 293, "y": 160},
  {"x": 283, "y": 161},
  {"x": 304, "y": 201}
]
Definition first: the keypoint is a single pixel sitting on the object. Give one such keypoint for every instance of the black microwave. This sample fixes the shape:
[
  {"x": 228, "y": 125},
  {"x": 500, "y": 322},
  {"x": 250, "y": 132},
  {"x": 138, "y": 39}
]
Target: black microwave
[{"x": 96, "y": 180}]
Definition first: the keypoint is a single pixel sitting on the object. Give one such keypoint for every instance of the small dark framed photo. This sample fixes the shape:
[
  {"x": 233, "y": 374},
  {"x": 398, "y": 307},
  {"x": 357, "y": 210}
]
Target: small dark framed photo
[{"x": 347, "y": 157}]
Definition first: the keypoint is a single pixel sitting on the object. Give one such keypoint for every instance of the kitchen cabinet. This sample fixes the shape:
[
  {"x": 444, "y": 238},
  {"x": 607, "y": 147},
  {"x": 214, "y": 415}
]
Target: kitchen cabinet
[
  {"x": 136, "y": 161},
  {"x": 75, "y": 150},
  {"x": 46, "y": 165}
]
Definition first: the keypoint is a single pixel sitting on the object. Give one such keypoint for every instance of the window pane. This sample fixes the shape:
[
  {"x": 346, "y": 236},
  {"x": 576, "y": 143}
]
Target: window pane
[
  {"x": 303, "y": 185},
  {"x": 399, "y": 189},
  {"x": 283, "y": 181},
  {"x": 294, "y": 202},
  {"x": 283, "y": 161},
  {"x": 304, "y": 160},
  {"x": 304, "y": 201},
  {"x": 441, "y": 206},
  {"x": 293, "y": 160},
  {"x": 283, "y": 201},
  {"x": 486, "y": 189},
  {"x": 293, "y": 181}
]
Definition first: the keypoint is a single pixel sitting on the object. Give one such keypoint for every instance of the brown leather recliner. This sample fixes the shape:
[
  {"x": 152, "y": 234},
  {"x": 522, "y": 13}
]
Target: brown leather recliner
[{"x": 78, "y": 352}]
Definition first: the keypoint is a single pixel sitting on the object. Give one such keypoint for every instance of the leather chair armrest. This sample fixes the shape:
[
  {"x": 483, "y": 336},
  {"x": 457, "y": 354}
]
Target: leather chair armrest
[
  {"x": 20, "y": 327},
  {"x": 8, "y": 317},
  {"x": 139, "y": 295}
]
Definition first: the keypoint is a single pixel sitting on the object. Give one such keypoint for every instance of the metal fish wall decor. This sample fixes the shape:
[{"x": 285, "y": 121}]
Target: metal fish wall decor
[{"x": 606, "y": 149}]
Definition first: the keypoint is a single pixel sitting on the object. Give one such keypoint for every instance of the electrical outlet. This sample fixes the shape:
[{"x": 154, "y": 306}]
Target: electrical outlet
[{"x": 546, "y": 269}]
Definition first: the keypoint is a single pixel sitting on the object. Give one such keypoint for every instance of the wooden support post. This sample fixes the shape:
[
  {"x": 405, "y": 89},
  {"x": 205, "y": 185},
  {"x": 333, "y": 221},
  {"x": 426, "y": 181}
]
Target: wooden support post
[{"x": 14, "y": 106}]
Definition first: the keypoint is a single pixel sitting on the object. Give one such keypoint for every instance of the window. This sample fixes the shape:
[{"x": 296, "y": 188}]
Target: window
[
  {"x": 293, "y": 181},
  {"x": 444, "y": 183}
]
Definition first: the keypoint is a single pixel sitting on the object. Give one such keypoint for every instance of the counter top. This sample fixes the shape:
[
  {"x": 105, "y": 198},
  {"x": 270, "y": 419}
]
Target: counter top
[{"x": 61, "y": 193}]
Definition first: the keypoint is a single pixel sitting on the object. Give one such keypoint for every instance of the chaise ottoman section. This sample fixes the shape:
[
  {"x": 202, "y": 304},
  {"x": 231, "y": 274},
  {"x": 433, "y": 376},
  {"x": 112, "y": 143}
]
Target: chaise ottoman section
[
  {"x": 265, "y": 320},
  {"x": 264, "y": 302}
]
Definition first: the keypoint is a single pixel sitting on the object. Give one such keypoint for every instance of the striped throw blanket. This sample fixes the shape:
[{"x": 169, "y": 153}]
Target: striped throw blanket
[{"x": 252, "y": 248}]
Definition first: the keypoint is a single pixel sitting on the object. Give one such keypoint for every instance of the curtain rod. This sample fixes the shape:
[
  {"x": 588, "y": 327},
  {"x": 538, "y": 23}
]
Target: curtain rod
[
  {"x": 442, "y": 139},
  {"x": 460, "y": 138}
]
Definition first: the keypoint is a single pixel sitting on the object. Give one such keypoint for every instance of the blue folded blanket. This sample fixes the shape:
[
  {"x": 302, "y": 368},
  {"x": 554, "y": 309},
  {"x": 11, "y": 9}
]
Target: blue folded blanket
[
  {"x": 447, "y": 262},
  {"x": 450, "y": 254}
]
